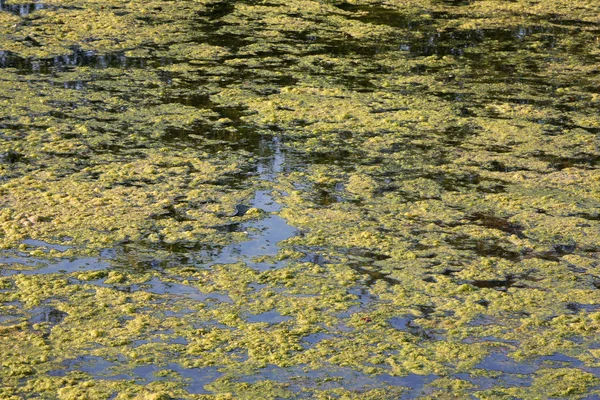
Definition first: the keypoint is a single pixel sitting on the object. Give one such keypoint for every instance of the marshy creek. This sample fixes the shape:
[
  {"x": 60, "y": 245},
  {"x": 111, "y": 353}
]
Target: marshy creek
[{"x": 373, "y": 199}]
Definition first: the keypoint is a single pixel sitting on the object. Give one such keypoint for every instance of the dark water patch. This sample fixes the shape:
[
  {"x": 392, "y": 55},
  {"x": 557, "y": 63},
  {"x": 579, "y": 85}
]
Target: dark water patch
[
  {"x": 559, "y": 360},
  {"x": 157, "y": 286},
  {"x": 484, "y": 303},
  {"x": 216, "y": 139},
  {"x": 499, "y": 223},
  {"x": 197, "y": 100},
  {"x": 263, "y": 238},
  {"x": 457, "y": 181},
  {"x": 457, "y": 3},
  {"x": 348, "y": 46},
  {"x": 413, "y": 328},
  {"x": 499, "y": 166},
  {"x": 195, "y": 379},
  {"x": 379, "y": 15},
  {"x": 314, "y": 338},
  {"x": 216, "y": 32},
  {"x": 561, "y": 20},
  {"x": 501, "y": 362},
  {"x": 483, "y": 248},
  {"x": 340, "y": 45},
  {"x": 363, "y": 303},
  {"x": 72, "y": 85},
  {"x": 231, "y": 41},
  {"x": 169, "y": 212},
  {"x": 500, "y": 284},
  {"x": 277, "y": 82},
  {"x": 387, "y": 110},
  {"x": 39, "y": 265},
  {"x": 493, "y": 188},
  {"x": 228, "y": 228},
  {"x": 548, "y": 255},
  {"x": 301, "y": 379},
  {"x": 426, "y": 311},
  {"x": 178, "y": 340},
  {"x": 212, "y": 140},
  {"x": 401, "y": 323},
  {"x": 366, "y": 254},
  {"x": 450, "y": 42},
  {"x": 578, "y": 307},
  {"x": 326, "y": 198},
  {"x": 498, "y": 149},
  {"x": 217, "y": 10},
  {"x": 263, "y": 234},
  {"x": 454, "y": 97},
  {"x": 554, "y": 253},
  {"x": 334, "y": 156},
  {"x": 316, "y": 258},
  {"x": 269, "y": 317},
  {"x": 587, "y": 216},
  {"x": 357, "y": 83},
  {"x": 455, "y": 135},
  {"x": 130, "y": 259},
  {"x": 564, "y": 248},
  {"x": 483, "y": 320},
  {"x": 48, "y": 315},
  {"x": 22, "y": 9},
  {"x": 373, "y": 275},
  {"x": 490, "y": 339},
  {"x": 97, "y": 367},
  {"x": 581, "y": 160},
  {"x": 306, "y": 35},
  {"x": 460, "y": 42},
  {"x": 364, "y": 297},
  {"x": 12, "y": 157},
  {"x": 274, "y": 159},
  {"x": 449, "y": 272},
  {"x": 240, "y": 210},
  {"x": 503, "y": 285},
  {"x": 78, "y": 58},
  {"x": 499, "y": 380}
]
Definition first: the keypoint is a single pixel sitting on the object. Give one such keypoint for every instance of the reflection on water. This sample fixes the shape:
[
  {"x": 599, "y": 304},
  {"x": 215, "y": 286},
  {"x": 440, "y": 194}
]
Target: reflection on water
[
  {"x": 21, "y": 9},
  {"x": 336, "y": 377},
  {"x": 196, "y": 378},
  {"x": 48, "y": 315},
  {"x": 35, "y": 265},
  {"x": 78, "y": 58},
  {"x": 379, "y": 15},
  {"x": 265, "y": 233}
]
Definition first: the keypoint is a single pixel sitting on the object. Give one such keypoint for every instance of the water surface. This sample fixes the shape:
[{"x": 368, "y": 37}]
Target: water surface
[{"x": 299, "y": 199}]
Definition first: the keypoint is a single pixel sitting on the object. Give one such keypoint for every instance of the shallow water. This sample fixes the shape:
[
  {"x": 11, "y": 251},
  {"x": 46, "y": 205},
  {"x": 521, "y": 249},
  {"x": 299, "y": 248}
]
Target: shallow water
[{"x": 299, "y": 199}]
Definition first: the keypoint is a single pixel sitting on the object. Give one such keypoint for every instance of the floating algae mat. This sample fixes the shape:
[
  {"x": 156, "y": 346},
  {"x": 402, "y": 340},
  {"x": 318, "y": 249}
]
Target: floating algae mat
[{"x": 299, "y": 199}]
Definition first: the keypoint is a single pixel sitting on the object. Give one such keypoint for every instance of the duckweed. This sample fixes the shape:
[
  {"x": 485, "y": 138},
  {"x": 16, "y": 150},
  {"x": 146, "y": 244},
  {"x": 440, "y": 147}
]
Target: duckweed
[{"x": 436, "y": 163}]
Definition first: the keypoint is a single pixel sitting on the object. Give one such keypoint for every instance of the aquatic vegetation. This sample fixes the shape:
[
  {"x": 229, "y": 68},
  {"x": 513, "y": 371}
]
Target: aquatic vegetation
[{"x": 299, "y": 199}]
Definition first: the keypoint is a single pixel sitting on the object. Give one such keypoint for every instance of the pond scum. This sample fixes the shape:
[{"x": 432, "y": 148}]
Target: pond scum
[{"x": 375, "y": 199}]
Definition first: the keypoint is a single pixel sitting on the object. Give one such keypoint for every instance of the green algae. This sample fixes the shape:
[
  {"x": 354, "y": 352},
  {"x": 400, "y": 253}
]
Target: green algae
[{"x": 441, "y": 163}]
